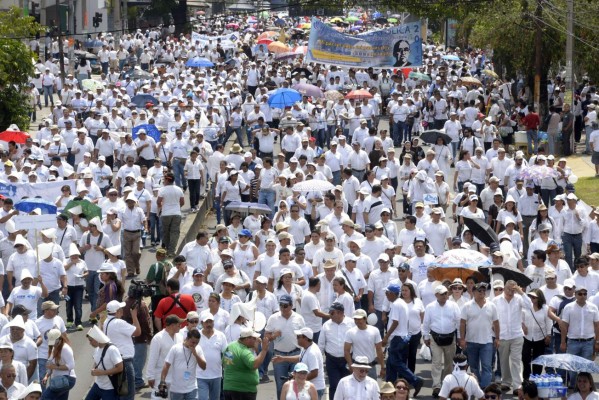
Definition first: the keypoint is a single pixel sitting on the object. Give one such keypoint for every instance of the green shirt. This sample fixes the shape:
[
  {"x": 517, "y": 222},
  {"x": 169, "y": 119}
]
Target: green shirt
[
  {"x": 240, "y": 374},
  {"x": 158, "y": 273}
]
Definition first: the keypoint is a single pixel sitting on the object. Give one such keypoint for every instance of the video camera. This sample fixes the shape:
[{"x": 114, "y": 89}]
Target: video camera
[{"x": 140, "y": 289}]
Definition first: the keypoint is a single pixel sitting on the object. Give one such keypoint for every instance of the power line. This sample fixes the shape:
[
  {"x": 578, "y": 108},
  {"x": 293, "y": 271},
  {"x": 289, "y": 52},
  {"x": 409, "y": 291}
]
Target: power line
[{"x": 562, "y": 30}]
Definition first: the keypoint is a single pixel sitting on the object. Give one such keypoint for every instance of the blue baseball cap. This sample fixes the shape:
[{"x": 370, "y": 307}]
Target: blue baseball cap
[
  {"x": 285, "y": 299},
  {"x": 245, "y": 232},
  {"x": 393, "y": 288}
]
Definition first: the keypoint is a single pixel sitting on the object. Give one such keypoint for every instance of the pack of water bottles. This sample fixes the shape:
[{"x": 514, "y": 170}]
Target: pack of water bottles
[{"x": 549, "y": 385}]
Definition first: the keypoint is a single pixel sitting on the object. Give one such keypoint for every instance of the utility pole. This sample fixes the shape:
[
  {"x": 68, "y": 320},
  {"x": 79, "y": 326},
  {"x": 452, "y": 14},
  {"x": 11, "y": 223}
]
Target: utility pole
[
  {"x": 538, "y": 56},
  {"x": 570, "y": 54},
  {"x": 60, "y": 44}
]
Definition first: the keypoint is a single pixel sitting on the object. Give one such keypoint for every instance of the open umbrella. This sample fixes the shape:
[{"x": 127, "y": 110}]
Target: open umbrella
[
  {"x": 507, "y": 273},
  {"x": 300, "y": 50},
  {"x": 569, "y": 362},
  {"x": 490, "y": 73},
  {"x": 359, "y": 94},
  {"x": 268, "y": 34},
  {"x": 432, "y": 135},
  {"x": 278, "y": 47},
  {"x": 469, "y": 80},
  {"x": 284, "y": 97},
  {"x": 141, "y": 100},
  {"x": 307, "y": 89},
  {"x": 265, "y": 41},
  {"x": 91, "y": 84},
  {"x": 538, "y": 172},
  {"x": 29, "y": 204},
  {"x": 248, "y": 208},
  {"x": 313, "y": 185},
  {"x": 458, "y": 263},
  {"x": 419, "y": 76},
  {"x": 481, "y": 230},
  {"x": 13, "y": 133},
  {"x": 451, "y": 57},
  {"x": 199, "y": 62},
  {"x": 90, "y": 210},
  {"x": 232, "y": 26},
  {"x": 333, "y": 95},
  {"x": 306, "y": 25},
  {"x": 351, "y": 18},
  {"x": 336, "y": 20},
  {"x": 392, "y": 20}
]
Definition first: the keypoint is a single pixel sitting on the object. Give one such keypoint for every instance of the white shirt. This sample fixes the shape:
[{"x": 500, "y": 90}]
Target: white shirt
[
  {"x": 510, "y": 315},
  {"x": 350, "y": 389},
  {"x": 213, "y": 349},
  {"x": 312, "y": 357},
  {"x": 110, "y": 360},
  {"x": 182, "y": 372},
  {"x": 160, "y": 345},
  {"x": 287, "y": 342},
  {"x": 332, "y": 336},
  {"x": 580, "y": 320},
  {"x": 479, "y": 321},
  {"x": 377, "y": 283},
  {"x": 441, "y": 318},
  {"x": 363, "y": 341},
  {"x": 119, "y": 331}
]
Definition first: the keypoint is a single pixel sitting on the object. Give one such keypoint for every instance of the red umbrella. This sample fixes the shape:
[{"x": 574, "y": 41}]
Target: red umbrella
[
  {"x": 265, "y": 41},
  {"x": 14, "y": 134},
  {"x": 359, "y": 94}
]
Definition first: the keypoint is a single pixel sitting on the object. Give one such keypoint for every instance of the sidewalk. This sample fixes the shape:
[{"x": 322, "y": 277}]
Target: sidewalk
[{"x": 581, "y": 166}]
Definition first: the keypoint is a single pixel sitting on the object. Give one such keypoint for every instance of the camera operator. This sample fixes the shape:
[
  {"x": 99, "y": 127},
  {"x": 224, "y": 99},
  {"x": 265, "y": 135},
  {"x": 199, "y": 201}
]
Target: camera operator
[
  {"x": 140, "y": 343},
  {"x": 120, "y": 333}
]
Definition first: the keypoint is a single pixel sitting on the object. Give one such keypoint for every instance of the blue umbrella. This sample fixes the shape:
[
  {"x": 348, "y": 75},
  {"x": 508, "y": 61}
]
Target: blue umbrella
[
  {"x": 568, "y": 362},
  {"x": 284, "y": 97},
  {"x": 29, "y": 204},
  {"x": 451, "y": 57},
  {"x": 376, "y": 15},
  {"x": 280, "y": 22},
  {"x": 141, "y": 100},
  {"x": 199, "y": 62},
  {"x": 151, "y": 131}
]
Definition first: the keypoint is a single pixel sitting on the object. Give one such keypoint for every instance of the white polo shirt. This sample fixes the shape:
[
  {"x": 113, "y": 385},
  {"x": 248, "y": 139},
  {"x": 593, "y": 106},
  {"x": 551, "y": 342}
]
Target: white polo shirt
[{"x": 119, "y": 331}]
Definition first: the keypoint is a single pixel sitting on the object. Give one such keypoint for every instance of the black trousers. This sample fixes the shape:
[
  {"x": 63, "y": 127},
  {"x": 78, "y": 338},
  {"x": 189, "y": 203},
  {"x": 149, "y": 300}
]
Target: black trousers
[{"x": 530, "y": 351}]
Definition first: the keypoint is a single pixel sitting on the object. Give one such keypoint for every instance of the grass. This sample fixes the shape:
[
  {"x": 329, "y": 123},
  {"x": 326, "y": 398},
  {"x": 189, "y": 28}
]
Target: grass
[{"x": 588, "y": 190}]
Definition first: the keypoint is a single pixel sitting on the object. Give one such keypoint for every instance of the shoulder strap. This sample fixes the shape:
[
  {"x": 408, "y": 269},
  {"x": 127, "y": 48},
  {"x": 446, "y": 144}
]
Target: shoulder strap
[
  {"x": 176, "y": 301},
  {"x": 106, "y": 326},
  {"x": 104, "y": 350}
]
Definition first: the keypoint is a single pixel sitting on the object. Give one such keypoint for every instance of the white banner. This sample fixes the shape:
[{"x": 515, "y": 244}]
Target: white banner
[{"x": 46, "y": 190}]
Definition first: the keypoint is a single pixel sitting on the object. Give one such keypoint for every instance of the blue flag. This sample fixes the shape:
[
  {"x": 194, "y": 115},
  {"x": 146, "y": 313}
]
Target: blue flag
[{"x": 151, "y": 131}]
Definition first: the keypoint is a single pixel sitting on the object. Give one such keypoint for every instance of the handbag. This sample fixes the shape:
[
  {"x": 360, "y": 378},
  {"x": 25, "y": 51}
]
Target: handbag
[
  {"x": 59, "y": 383},
  {"x": 443, "y": 339}
]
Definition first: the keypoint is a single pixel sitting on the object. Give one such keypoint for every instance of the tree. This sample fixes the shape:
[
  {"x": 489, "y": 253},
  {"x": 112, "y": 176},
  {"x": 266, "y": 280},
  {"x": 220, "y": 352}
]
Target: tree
[{"x": 16, "y": 67}]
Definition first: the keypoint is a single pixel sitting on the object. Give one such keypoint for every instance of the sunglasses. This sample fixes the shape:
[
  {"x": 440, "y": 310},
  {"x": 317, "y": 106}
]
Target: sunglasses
[
  {"x": 402, "y": 388},
  {"x": 363, "y": 370},
  {"x": 457, "y": 288},
  {"x": 193, "y": 321},
  {"x": 490, "y": 396},
  {"x": 228, "y": 267},
  {"x": 284, "y": 305},
  {"x": 581, "y": 293}
]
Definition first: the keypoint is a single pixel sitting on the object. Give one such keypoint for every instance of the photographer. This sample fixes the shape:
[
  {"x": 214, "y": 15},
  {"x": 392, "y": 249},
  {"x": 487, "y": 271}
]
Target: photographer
[
  {"x": 120, "y": 333},
  {"x": 184, "y": 358},
  {"x": 140, "y": 343}
]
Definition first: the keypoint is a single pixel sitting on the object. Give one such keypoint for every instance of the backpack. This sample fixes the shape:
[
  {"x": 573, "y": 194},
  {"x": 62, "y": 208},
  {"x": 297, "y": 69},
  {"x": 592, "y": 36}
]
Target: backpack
[{"x": 565, "y": 301}]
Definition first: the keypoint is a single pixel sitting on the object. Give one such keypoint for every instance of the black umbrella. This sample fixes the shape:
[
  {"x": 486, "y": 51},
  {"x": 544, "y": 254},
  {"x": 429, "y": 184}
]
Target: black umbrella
[
  {"x": 481, "y": 230},
  {"x": 508, "y": 274},
  {"x": 299, "y": 70},
  {"x": 432, "y": 135}
]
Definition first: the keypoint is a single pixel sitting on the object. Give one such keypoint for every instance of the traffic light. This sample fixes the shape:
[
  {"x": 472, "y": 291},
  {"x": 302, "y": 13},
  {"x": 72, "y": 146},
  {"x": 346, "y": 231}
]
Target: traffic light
[{"x": 97, "y": 20}]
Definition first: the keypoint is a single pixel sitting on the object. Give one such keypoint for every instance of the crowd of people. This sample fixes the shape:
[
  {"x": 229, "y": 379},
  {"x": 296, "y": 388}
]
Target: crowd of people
[{"x": 332, "y": 283}]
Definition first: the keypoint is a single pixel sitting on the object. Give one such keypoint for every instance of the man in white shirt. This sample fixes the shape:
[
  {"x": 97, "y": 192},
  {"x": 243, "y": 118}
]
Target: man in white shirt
[
  {"x": 510, "y": 306},
  {"x": 437, "y": 233},
  {"x": 441, "y": 321},
  {"x": 184, "y": 358},
  {"x": 160, "y": 345},
  {"x": 359, "y": 385},
  {"x": 365, "y": 341}
]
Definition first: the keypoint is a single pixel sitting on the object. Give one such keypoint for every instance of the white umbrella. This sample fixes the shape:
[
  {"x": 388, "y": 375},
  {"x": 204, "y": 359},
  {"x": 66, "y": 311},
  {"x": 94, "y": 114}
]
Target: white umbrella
[{"x": 313, "y": 185}]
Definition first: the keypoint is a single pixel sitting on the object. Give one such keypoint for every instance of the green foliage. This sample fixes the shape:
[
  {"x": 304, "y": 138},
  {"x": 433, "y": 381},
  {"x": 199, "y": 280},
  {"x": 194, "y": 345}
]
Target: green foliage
[{"x": 16, "y": 67}]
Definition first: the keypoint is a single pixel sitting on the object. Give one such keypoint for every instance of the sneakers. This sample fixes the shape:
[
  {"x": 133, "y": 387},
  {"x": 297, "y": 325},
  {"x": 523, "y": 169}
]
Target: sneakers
[
  {"x": 436, "y": 392},
  {"x": 79, "y": 327},
  {"x": 264, "y": 379},
  {"x": 70, "y": 325}
]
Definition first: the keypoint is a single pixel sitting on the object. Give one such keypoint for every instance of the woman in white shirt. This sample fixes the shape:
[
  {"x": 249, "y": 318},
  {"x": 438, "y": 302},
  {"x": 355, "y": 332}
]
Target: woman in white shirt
[
  {"x": 472, "y": 210},
  {"x": 232, "y": 190},
  {"x": 537, "y": 332},
  {"x": 443, "y": 190},
  {"x": 443, "y": 155},
  {"x": 415, "y": 318},
  {"x": 61, "y": 362},
  {"x": 463, "y": 170},
  {"x": 509, "y": 209},
  {"x": 585, "y": 388}
]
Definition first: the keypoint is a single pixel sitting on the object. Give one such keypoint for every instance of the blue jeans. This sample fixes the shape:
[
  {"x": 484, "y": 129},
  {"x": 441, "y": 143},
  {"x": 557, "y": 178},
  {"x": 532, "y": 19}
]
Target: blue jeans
[
  {"x": 283, "y": 370},
  {"x": 75, "y": 303},
  {"x": 154, "y": 228},
  {"x": 230, "y": 132},
  {"x": 337, "y": 178},
  {"x": 588, "y": 130},
  {"x": 48, "y": 92},
  {"x": 263, "y": 368},
  {"x": 336, "y": 368},
  {"x": 41, "y": 368},
  {"x": 92, "y": 285},
  {"x": 399, "y": 131},
  {"x": 209, "y": 388},
  {"x": 532, "y": 138},
  {"x": 139, "y": 361},
  {"x": 581, "y": 349},
  {"x": 330, "y": 134},
  {"x": 193, "y": 395},
  {"x": 571, "y": 244},
  {"x": 267, "y": 196},
  {"x": 95, "y": 393},
  {"x": 178, "y": 170},
  {"x": 130, "y": 371},
  {"x": 480, "y": 357},
  {"x": 62, "y": 395},
  {"x": 454, "y": 148},
  {"x": 397, "y": 362}
]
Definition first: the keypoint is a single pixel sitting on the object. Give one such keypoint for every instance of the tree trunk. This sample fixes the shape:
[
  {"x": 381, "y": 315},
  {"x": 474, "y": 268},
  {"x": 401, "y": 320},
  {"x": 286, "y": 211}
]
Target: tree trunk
[{"x": 180, "y": 17}]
